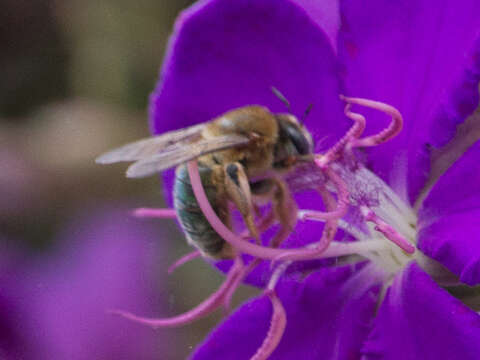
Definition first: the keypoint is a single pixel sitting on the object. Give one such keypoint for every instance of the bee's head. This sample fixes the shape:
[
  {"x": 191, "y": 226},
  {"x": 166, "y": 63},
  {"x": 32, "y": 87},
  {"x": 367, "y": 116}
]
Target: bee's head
[{"x": 294, "y": 140}]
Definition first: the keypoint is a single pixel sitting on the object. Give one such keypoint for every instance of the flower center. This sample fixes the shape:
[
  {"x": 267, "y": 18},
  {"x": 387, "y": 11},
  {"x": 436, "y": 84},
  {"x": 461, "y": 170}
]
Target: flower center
[{"x": 379, "y": 217}]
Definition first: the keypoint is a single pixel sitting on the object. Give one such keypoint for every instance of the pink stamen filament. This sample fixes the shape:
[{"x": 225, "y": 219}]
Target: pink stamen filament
[
  {"x": 206, "y": 307},
  {"x": 183, "y": 260},
  {"x": 240, "y": 244},
  {"x": 330, "y": 229},
  {"x": 354, "y": 133},
  {"x": 388, "y": 133},
  {"x": 343, "y": 200},
  {"x": 389, "y": 232},
  {"x": 244, "y": 272},
  {"x": 276, "y": 330},
  {"x": 337, "y": 249},
  {"x": 154, "y": 213}
]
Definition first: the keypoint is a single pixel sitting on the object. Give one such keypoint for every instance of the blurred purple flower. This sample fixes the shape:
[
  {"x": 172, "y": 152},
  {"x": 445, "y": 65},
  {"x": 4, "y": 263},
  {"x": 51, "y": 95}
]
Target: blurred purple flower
[
  {"x": 55, "y": 307},
  {"x": 422, "y": 57}
]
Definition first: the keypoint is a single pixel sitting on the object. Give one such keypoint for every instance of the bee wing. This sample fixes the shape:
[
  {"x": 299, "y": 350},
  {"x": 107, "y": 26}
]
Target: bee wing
[
  {"x": 145, "y": 148},
  {"x": 175, "y": 155}
]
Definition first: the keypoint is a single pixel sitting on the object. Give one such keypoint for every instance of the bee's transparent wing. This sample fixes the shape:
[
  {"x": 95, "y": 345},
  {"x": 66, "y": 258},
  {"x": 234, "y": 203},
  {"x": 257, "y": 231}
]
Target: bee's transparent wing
[
  {"x": 145, "y": 148},
  {"x": 175, "y": 155}
]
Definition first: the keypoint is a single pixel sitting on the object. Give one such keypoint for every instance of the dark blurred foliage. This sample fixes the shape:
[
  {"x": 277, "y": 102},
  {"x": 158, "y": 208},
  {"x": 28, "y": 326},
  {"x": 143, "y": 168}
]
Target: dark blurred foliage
[{"x": 33, "y": 57}]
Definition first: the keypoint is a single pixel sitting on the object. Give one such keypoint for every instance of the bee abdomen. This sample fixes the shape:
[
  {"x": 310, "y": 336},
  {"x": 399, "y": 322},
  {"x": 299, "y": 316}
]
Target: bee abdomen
[{"x": 197, "y": 228}]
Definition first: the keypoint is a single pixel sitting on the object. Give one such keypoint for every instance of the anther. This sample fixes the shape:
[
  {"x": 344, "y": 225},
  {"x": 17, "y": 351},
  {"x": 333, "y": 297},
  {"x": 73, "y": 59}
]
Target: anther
[{"x": 389, "y": 232}]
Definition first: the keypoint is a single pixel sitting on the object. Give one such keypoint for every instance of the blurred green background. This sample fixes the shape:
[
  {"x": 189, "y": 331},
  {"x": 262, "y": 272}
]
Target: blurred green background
[{"x": 75, "y": 81}]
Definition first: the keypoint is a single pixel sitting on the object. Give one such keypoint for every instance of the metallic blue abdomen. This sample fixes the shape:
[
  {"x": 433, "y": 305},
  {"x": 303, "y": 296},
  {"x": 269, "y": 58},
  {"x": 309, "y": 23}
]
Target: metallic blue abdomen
[{"x": 191, "y": 218}]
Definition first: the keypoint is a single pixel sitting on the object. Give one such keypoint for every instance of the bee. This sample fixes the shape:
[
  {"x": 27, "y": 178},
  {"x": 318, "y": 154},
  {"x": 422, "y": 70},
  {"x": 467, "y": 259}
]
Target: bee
[{"x": 242, "y": 156}]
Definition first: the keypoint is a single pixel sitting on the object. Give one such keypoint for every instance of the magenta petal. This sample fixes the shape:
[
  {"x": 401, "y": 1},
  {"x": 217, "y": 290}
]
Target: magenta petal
[
  {"x": 328, "y": 316},
  {"x": 449, "y": 227},
  {"x": 419, "y": 320},
  {"x": 227, "y": 54},
  {"x": 423, "y": 57}
]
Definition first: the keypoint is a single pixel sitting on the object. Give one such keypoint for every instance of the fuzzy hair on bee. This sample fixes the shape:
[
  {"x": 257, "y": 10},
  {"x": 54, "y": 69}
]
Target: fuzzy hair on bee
[{"x": 243, "y": 156}]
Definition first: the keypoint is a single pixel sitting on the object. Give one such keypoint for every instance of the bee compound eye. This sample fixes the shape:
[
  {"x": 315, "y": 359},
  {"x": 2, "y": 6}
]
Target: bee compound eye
[{"x": 297, "y": 137}]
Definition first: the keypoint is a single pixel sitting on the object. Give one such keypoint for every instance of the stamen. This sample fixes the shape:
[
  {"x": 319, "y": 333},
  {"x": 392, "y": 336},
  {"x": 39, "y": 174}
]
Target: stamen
[
  {"x": 342, "y": 224},
  {"x": 262, "y": 252},
  {"x": 337, "y": 249},
  {"x": 276, "y": 330},
  {"x": 343, "y": 200},
  {"x": 278, "y": 272},
  {"x": 389, "y": 232},
  {"x": 388, "y": 133},
  {"x": 331, "y": 225},
  {"x": 244, "y": 272},
  {"x": 154, "y": 213},
  {"x": 183, "y": 260},
  {"x": 206, "y": 307},
  {"x": 353, "y": 133}
]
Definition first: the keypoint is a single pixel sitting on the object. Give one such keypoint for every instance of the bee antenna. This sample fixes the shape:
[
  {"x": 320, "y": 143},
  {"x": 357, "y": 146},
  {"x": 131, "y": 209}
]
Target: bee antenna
[
  {"x": 281, "y": 97},
  {"x": 306, "y": 112}
]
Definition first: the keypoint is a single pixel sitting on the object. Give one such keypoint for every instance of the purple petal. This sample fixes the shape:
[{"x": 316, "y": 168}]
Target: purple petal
[
  {"x": 328, "y": 316},
  {"x": 227, "y": 54},
  {"x": 419, "y": 320},
  {"x": 326, "y": 14},
  {"x": 448, "y": 221},
  {"x": 423, "y": 57},
  {"x": 105, "y": 262}
]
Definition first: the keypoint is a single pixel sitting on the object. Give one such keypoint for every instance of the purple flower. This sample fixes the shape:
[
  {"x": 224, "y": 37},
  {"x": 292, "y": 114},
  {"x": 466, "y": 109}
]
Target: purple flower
[
  {"x": 410, "y": 225},
  {"x": 55, "y": 307}
]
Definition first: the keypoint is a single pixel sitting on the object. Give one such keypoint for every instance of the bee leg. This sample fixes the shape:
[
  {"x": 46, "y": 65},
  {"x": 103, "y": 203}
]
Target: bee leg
[
  {"x": 285, "y": 210},
  {"x": 238, "y": 191}
]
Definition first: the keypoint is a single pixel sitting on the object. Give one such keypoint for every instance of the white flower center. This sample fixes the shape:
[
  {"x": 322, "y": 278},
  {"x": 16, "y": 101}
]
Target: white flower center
[{"x": 370, "y": 197}]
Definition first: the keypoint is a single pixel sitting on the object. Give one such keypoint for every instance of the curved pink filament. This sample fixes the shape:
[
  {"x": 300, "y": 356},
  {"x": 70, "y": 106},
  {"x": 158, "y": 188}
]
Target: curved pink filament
[
  {"x": 341, "y": 206},
  {"x": 184, "y": 259},
  {"x": 206, "y": 307},
  {"x": 320, "y": 247},
  {"x": 154, "y": 213},
  {"x": 244, "y": 272},
  {"x": 276, "y": 330},
  {"x": 259, "y": 251},
  {"x": 331, "y": 225},
  {"x": 389, "y": 132},
  {"x": 353, "y": 133}
]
